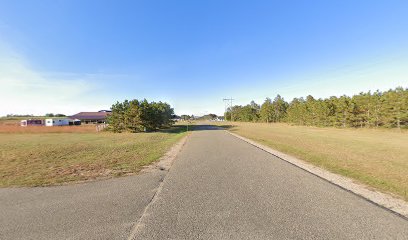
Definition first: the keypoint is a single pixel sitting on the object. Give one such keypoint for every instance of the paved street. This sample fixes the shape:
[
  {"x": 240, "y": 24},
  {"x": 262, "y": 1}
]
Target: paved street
[
  {"x": 97, "y": 210},
  {"x": 223, "y": 188},
  {"x": 219, "y": 187}
]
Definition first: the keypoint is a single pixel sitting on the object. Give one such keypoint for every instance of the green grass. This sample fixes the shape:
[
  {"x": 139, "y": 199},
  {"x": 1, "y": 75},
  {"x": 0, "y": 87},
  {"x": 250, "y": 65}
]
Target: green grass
[
  {"x": 375, "y": 157},
  {"x": 41, "y": 159}
]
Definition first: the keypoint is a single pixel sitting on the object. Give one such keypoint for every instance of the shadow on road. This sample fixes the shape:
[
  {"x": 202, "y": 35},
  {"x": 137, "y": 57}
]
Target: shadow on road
[
  {"x": 204, "y": 127},
  {"x": 194, "y": 127}
]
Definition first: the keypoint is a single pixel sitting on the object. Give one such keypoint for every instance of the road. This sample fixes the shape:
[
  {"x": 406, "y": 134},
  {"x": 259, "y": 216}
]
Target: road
[
  {"x": 96, "y": 210},
  {"x": 219, "y": 187}
]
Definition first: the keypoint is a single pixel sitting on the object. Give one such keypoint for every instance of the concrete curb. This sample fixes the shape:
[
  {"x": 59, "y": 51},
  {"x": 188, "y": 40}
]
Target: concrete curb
[{"x": 395, "y": 205}]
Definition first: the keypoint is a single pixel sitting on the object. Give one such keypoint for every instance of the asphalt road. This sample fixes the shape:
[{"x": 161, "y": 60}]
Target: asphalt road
[
  {"x": 219, "y": 187},
  {"x": 96, "y": 210}
]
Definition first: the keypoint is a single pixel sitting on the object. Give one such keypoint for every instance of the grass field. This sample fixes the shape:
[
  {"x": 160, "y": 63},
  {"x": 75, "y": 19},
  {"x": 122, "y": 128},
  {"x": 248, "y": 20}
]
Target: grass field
[
  {"x": 375, "y": 157},
  {"x": 39, "y": 156}
]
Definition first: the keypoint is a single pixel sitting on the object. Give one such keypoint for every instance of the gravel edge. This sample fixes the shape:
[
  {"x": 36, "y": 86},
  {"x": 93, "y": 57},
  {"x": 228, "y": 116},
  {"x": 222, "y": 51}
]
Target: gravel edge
[
  {"x": 395, "y": 205},
  {"x": 164, "y": 163}
]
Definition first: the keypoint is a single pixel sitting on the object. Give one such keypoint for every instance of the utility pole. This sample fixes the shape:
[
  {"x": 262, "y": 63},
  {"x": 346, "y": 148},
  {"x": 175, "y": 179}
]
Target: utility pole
[{"x": 228, "y": 103}]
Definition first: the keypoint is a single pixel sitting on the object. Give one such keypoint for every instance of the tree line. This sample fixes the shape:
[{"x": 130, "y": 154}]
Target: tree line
[
  {"x": 139, "y": 116},
  {"x": 378, "y": 109},
  {"x": 31, "y": 115},
  {"x": 55, "y": 115}
]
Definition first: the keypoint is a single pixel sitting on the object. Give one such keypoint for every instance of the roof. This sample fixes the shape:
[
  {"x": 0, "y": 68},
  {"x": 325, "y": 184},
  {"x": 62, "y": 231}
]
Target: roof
[{"x": 91, "y": 115}]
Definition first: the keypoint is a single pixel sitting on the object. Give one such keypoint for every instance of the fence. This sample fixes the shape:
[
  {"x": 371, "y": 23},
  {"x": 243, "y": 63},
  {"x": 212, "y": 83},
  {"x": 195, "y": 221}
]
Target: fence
[{"x": 100, "y": 127}]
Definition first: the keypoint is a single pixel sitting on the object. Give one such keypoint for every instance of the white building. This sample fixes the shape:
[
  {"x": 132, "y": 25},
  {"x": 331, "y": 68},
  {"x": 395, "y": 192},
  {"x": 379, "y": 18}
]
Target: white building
[{"x": 56, "y": 122}]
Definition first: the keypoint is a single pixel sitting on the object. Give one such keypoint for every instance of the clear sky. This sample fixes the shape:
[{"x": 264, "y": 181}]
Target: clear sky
[{"x": 83, "y": 55}]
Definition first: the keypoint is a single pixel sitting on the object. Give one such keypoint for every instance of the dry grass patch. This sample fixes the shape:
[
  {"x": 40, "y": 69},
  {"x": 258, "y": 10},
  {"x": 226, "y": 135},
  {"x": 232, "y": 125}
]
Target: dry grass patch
[
  {"x": 13, "y": 126},
  {"x": 40, "y": 159},
  {"x": 376, "y": 157},
  {"x": 90, "y": 128}
]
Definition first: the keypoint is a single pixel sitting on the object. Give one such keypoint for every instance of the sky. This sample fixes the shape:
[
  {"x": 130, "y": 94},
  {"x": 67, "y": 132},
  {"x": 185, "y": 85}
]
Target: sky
[{"x": 83, "y": 55}]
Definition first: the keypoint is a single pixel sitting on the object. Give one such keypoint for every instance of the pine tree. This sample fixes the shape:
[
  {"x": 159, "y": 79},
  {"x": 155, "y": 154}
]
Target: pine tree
[
  {"x": 389, "y": 109},
  {"x": 266, "y": 112},
  {"x": 280, "y": 108}
]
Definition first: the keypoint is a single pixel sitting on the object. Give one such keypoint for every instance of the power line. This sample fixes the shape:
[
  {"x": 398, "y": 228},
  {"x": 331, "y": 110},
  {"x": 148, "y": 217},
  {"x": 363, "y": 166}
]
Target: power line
[{"x": 228, "y": 103}]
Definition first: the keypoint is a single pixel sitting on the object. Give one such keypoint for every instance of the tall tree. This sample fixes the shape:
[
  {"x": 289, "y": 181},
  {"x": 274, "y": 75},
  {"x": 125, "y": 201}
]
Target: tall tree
[
  {"x": 279, "y": 107},
  {"x": 267, "y": 112}
]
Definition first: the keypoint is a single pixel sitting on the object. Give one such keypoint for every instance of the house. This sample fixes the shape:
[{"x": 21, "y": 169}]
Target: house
[
  {"x": 92, "y": 117},
  {"x": 31, "y": 122},
  {"x": 49, "y": 122},
  {"x": 220, "y": 119},
  {"x": 74, "y": 122}
]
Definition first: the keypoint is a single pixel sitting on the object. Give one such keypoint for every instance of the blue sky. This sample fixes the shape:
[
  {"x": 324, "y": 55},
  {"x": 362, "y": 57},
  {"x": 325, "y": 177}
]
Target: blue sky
[{"x": 71, "y": 56}]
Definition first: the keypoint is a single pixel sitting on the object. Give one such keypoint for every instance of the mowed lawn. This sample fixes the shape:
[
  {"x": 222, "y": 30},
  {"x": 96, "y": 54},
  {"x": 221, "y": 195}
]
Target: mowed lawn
[
  {"x": 376, "y": 157},
  {"x": 39, "y": 159}
]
